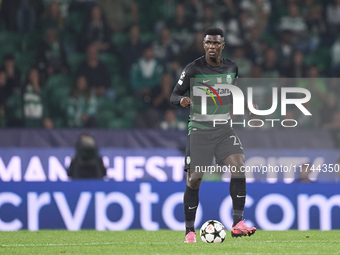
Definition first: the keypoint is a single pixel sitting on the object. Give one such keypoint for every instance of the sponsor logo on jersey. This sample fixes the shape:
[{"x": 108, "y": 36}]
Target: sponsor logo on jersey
[
  {"x": 220, "y": 91},
  {"x": 210, "y": 94}
]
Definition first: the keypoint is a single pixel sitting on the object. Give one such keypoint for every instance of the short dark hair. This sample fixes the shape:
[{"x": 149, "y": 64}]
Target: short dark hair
[{"x": 214, "y": 31}]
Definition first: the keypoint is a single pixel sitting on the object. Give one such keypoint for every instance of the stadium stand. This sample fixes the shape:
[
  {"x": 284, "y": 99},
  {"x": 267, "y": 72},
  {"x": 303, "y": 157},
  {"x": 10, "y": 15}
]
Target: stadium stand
[{"x": 272, "y": 31}]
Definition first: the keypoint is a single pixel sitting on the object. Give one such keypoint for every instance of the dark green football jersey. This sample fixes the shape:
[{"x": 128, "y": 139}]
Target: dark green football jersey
[{"x": 207, "y": 87}]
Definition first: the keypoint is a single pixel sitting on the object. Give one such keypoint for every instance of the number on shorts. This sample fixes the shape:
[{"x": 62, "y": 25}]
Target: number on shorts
[{"x": 237, "y": 141}]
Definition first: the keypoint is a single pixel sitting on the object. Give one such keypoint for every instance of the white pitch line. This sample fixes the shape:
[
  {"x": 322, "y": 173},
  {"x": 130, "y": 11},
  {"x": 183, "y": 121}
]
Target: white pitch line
[
  {"x": 78, "y": 244},
  {"x": 143, "y": 243},
  {"x": 51, "y": 244}
]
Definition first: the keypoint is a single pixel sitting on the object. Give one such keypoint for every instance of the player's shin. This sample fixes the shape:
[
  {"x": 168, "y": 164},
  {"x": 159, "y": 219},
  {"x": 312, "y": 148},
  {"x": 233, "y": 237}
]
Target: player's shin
[
  {"x": 238, "y": 195},
  {"x": 190, "y": 207}
]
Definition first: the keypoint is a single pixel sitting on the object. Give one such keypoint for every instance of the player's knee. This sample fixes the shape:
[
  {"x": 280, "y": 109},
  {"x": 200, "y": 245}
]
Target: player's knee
[
  {"x": 238, "y": 172},
  {"x": 194, "y": 183},
  {"x": 236, "y": 162},
  {"x": 194, "y": 179}
]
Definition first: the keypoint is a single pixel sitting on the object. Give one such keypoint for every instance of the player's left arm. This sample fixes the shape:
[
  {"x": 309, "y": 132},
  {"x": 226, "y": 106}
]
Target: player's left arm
[{"x": 182, "y": 87}]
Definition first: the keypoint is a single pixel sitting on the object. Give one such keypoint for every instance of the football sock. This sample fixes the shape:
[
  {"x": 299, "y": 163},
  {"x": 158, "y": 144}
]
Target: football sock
[
  {"x": 190, "y": 207},
  {"x": 238, "y": 195}
]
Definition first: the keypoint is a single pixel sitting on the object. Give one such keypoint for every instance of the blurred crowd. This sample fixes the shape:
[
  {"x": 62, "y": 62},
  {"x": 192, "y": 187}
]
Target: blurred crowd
[{"x": 114, "y": 63}]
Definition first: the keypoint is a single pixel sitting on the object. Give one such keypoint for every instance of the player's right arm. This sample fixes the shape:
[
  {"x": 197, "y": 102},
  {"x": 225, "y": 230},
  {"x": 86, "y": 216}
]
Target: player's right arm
[{"x": 183, "y": 85}]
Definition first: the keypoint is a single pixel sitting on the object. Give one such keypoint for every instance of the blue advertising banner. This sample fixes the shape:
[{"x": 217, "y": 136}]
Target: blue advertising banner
[
  {"x": 156, "y": 138},
  {"x": 162, "y": 165},
  {"x": 158, "y": 205}
]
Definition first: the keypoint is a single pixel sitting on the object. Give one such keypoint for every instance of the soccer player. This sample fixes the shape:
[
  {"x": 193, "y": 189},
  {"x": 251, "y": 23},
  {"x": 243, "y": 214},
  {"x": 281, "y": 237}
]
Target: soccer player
[{"x": 206, "y": 140}]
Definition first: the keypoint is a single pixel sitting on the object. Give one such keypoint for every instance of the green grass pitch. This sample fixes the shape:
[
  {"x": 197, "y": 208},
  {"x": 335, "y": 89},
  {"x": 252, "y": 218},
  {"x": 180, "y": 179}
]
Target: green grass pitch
[{"x": 166, "y": 242}]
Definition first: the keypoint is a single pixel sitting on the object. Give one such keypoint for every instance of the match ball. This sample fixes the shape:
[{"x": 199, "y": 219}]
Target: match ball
[{"x": 212, "y": 231}]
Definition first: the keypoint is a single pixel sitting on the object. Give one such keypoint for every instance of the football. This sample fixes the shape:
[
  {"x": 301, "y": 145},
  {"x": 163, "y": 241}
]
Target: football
[{"x": 212, "y": 231}]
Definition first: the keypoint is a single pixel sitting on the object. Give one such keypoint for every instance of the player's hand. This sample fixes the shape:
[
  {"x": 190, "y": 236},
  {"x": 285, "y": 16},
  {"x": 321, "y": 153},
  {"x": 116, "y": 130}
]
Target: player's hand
[
  {"x": 185, "y": 102},
  {"x": 255, "y": 106}
]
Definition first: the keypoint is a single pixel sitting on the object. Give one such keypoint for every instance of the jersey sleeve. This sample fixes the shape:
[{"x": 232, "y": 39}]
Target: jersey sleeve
[{"x": 182, "y": 86}]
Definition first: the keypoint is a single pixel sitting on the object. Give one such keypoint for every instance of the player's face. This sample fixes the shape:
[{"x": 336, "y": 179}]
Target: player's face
[{"x": 213, "y": 46}]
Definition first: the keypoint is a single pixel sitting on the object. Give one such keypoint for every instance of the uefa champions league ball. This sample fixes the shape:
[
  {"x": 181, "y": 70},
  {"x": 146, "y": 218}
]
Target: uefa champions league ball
[{"x": 212, "y": 231}]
